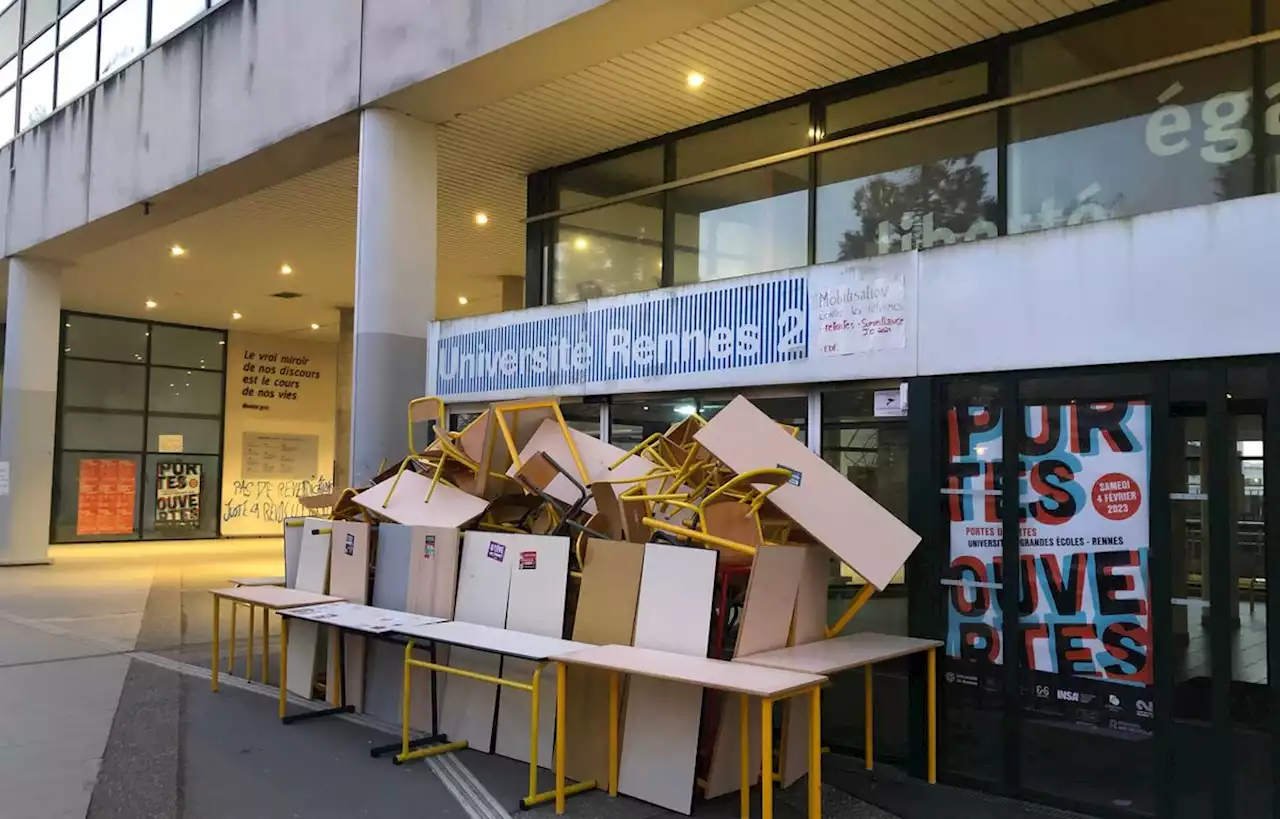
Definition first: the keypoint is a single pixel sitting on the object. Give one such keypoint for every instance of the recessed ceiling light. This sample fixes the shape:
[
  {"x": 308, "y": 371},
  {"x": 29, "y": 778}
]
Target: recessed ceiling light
[
  {"x": 177, "y": 250},
  {"x": 482, "y": 218},
  {"x": 695, "y": 80},
  {"x": 222, "y": 343},
  {"x": 285, "y": 269},
  {"x": 235, "y": 316},
  {"x": 315, "y": 326},
  {"x": 68, "y": 324},
  {"x": 580, "y": 243},
  {"x": 150, "y": 306},
  {"x": 462, "y": 299}
]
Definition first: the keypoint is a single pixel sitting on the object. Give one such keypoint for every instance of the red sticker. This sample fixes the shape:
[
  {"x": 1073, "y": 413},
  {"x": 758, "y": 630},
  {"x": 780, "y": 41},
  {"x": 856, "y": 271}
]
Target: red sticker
[
  {"x": 528, "y": 560},
  {"x": 1116, "y": 496}
]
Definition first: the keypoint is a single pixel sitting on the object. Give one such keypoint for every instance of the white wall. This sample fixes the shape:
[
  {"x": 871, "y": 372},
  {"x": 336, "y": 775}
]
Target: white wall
[{"x": 281, "y": 402}]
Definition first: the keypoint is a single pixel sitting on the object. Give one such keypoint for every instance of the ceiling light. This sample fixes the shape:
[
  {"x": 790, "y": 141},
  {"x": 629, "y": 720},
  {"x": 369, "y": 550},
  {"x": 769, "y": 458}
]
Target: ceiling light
[
  {"x": 150, "y": 305},
  {"x": 482, "y": 218},
  {"x": 68, "y": 324},
  {"x": 285, "y": 269},
  {"x": 221, "y": 343},
  {"x": 462, "y": 299},
  {"x": 695, "y": 80},
  {"x": 580, "y": 243},
  {"x": 315, "y": 326},
  {"x": 235, "y": 316},
  {"x": 685, "y": 409},
  {"x": 177, "y": 250}
]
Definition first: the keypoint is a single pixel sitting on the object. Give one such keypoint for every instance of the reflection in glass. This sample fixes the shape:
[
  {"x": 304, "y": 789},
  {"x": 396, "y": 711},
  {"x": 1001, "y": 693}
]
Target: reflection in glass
[
  {"x": 37, "y": 95},
  {"x": 633, "y": 420},
  {"x": 38, "y": 50},
  {"x": 1164, "y": 140},
  {"x": 8, "y": 73},
  {"x": 124, "y": 34},
  {"x": 917, "y": 190},
  {"x": 749, "y": 222},
  {"x": 99, "y": 385},
  {"x": 79, "y": 18},
  {"x": 8, "y": 106},
  {"x": 103, "y": 431},
  {"x": 609, "y": 251},
  {"x": 75, "y": 68},
  {"x": 610, "y": 177},
  {"x": 106, "y": 339},
  {"x": 9, "y": 31},
  {"x": 39, "y": 13},
  {"x": 900, "y": 100},
  {"x": 186, "y": 391},
  {"x": 187, "y": 347},
  {"x": 167, "y": 16},
  {"x": 754, "y": 138}
]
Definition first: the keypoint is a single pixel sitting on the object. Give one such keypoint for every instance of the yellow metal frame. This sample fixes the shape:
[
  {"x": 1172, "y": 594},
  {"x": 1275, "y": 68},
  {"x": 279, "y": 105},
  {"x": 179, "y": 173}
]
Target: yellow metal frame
[
  {"x": 931, "y": 704},
  {"x": 216, "y": 652},
  {"x": 855, "y": 605},
  {"x": 515, "y": 408},
  {"x": 766, "y": 742},
  {"x": 534, "y": 687}
]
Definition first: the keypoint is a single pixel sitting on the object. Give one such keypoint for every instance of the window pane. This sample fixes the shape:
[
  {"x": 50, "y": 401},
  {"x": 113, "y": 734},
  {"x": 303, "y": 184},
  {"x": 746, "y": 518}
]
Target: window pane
[
  {"x": 9, "y": 31},
  {"x": 9, "y": 73},
  {"x": 37, "y": 95},
  {"x": 106, "y": 339},
  {"x": 167, "y": 16},
  {"x": 124, "y": 35},
  {"x": 612, "y": 177},
  {"x": 75, "y": 68},
  {"x": 199, "y": 435},
  {"x": 612, "y": 250},
  {"x": 919, "y": 95},
  {"x": 917, "y": 190},
  {"x": 38, "y": 50},
  {"x": 8, "y": 102},
  {"x": 582, "y": 417},
  {"x": 752, "y": 139},
  {"x": 186, "y": 391},
  {"x": 1169, "y": 139},
  {"x": 77, "y": 20},
  {"x": 746, "y": 223},
  {"x": 186, "y": 347},
  {"x": 96, "y": 497},
  {"x": 102, "y": 431},
  {"x": 1157, "y": 30},
  {"x": 633, "y": 420},
  {"x": 40, "y": 13},
  {"x": 93, "y": 384}
]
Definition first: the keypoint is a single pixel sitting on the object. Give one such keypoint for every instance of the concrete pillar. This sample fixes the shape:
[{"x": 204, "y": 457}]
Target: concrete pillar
[
  {"x": 342, "y": 420},
  {"x": 395, "y": 283},
  {"x": 30, "y": 408}
]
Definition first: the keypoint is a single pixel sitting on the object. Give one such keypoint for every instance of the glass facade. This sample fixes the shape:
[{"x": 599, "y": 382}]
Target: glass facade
[
  {"x": 1195, "y": 133},
  {"x": 140, "y": 408},
  {"x": 52, "y": 51}
]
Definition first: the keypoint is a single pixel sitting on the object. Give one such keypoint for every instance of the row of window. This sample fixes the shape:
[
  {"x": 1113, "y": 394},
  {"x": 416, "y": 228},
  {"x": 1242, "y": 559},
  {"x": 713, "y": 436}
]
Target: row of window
[
  {"x": 52, "y": 51},
  {"x": 1188, "y": 135}
]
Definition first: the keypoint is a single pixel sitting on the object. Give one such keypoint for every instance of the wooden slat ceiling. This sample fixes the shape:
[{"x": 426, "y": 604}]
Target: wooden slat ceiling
[{"x": 767, "y": 51}]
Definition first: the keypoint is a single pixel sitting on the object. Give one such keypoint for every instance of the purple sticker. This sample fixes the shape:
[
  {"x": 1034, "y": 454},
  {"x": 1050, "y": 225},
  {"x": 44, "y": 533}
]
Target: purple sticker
[{"x": 497, "y": 551}]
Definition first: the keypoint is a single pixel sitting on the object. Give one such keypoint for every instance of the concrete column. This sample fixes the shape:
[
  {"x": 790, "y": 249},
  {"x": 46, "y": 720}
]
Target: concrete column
[
  {"x": 395, "y": 283},
  {"x": 342, "y": 420},
  {"x": 29, "y": 410}
]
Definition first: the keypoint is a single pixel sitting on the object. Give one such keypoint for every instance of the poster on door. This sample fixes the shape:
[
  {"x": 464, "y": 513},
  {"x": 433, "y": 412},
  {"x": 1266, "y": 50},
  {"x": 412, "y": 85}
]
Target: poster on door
[
  {"x": 106, "y": 497},
  {"x": 178, "y": 495},
  {"x": 1082, "y": 574}
]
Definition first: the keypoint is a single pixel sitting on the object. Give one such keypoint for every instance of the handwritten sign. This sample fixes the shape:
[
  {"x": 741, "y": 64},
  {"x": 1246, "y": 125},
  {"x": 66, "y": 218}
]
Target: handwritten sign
[
  {"x": 268, "y": 456},
  {"x": 862, "y": 311},
  {"x": 270, "y": 501}
]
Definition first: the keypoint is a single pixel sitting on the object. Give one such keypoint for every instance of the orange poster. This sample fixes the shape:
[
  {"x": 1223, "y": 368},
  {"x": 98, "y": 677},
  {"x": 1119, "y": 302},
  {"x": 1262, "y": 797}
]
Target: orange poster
[{"x": 105, "y": 505}]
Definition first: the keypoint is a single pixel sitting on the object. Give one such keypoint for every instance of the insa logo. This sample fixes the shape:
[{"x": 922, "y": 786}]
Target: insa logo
[{"x": 1068, "y": 696}]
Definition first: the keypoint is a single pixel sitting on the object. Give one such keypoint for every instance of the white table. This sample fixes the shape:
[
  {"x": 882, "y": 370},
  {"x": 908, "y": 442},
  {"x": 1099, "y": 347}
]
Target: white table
[
  {"x": 862, "y": 650},
  {"x": 268, "y": 598},
  {"x": 768, "y": 684},
  {"x": 536, "y": 648}
]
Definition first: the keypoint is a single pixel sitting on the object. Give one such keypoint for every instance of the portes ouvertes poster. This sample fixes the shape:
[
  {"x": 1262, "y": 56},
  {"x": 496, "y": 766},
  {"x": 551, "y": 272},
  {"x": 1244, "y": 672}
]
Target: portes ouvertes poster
[
  {"x": 178, "y": 495},
  {"x": 1084, "y": 653}
]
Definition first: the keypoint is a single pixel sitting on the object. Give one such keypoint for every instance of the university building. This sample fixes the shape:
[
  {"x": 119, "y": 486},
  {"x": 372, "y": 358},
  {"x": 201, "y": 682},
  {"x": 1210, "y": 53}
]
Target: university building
[{"x": 1006, "y": 264}]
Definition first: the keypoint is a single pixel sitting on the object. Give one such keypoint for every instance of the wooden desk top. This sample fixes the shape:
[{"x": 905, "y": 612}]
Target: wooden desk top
[
  {"x": 355, "y": 617},
  {"x": 258, "y": 581},
  {"x": 756, "y": 681},
  {"x": 503, "y": 641},
  {"x": 273, "y": 597},
  {"x": 839, "y": 653}
]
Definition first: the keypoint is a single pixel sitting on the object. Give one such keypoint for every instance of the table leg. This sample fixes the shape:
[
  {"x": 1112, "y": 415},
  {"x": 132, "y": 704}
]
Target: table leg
[
  {"x": 406, "y": 700},
  {"x": 744, "y": 755},
  {"x": 869, "y": 717},
  {"x": 766, "y": 757},
  {"x": 561, "y": 688},
  {"x": 933, "y": 715},
  {"x": 284, "y": 664},
  {"x": 533, "y": 732},
  {"x": 266, "y": 643},
  {"x": 615, "y": 683},
  {"x": 217, "y": 615},
  {"x": 248, "y": 659},
  {"x": 231, "y": 651},
  {"x": 815, "y": 753}
]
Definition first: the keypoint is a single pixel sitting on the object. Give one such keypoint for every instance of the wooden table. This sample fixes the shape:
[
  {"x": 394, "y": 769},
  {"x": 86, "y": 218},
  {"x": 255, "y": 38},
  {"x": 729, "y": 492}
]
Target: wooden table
[
  {"x": 768, "y": 684},
  {"x": 862, "y": 650},
  {"x": 536, "y": 648},
  {"x": 268, "y": 598},
  {"x": 367, "y": 621}
]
